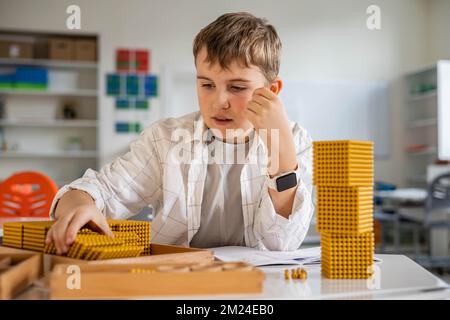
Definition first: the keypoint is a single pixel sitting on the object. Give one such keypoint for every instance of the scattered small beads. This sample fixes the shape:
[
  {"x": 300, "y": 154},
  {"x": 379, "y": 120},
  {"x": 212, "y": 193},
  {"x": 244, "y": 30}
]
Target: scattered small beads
[{"x": 297, "y": 273}]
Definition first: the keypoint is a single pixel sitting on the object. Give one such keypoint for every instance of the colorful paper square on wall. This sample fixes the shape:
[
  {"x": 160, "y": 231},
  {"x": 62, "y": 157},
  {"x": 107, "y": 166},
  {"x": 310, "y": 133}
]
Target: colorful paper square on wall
[
  {"x": 113, "y": 84},
  {"x": 128, "y": 127},
  {"x": 132, "y": 85},
  {"x": 151, "y": 86},
  {"x": 142, "y": 58},
  {"x": 123, "y": 104},
  {"x": 142, "y": 104},
  {"x": 123, "y": 59}
]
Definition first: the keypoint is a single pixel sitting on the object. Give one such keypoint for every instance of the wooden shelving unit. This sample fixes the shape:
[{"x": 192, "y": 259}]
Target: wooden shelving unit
[
  {"x": 46, "y": 144},
  {"x": 427, "y": 135},
  {"x": 57, "y": 93}
]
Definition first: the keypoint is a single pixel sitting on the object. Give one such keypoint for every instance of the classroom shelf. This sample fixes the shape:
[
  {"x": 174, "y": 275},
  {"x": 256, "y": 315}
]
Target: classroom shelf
[
  {"x": 49, "y": 123},
  {"x": 423, "y": 123},
  {"x": 428, "y": 151},
  {"x": 50, "y": 154},
  {"x": 427, "y": 110},
  {"x": 49, "y": 63},
  {"x": 423, "y": 96},
  {"x": 73, "y": 93},
  {"x": 33, "y": 132},
  {"x": 423, "y": 70}
]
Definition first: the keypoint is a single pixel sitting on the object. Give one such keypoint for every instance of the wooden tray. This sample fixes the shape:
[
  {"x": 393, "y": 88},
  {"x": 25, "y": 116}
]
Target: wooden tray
[
  {"x": 114, "y": 281},
  {"x": 161, "y": 253},
  {"x": 25, "y": 268}
]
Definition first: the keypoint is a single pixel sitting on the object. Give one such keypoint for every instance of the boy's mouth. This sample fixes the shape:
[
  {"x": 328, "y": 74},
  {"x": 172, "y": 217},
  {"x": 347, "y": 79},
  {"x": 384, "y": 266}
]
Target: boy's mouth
[{"x": 222, "y": 120}]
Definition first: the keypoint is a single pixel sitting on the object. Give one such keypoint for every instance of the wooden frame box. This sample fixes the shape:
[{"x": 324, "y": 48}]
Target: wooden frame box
[
  {"x": 115, "y": 281},
  {"x": 160, "y": 253},
  {"x": 25, "y": 268}
]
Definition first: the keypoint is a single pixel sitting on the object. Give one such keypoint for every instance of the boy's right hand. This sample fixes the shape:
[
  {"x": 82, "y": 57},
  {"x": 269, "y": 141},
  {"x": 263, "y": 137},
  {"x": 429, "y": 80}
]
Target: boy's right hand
[{"x": 66, "y": 227}]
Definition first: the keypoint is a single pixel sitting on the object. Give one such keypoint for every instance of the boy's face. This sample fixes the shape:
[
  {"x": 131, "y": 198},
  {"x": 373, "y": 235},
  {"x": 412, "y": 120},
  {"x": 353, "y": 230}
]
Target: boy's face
[{"x": 223, "y": 94}]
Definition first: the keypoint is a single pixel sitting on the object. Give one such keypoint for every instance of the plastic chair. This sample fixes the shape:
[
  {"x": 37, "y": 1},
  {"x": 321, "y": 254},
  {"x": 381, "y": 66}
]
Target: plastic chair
[
  {"x": 438, "y": 198},
  {"x": 26, "y": 194},
  {"x": 437, "y": 209},
  {"x": 384, "y": 217},
  {"x": 438, "y": 204}
]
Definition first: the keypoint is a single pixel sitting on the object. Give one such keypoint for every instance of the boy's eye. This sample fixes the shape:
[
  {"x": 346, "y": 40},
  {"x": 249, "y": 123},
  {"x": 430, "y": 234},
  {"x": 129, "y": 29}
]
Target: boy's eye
[
  {"x": 207, "y": 85},
  {"x": 237, "y": 89}
]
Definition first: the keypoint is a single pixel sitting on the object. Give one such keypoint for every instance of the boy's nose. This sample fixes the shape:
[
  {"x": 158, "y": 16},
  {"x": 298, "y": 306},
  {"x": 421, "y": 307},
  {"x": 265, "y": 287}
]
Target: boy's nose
[{"x": 221, "y": 101}]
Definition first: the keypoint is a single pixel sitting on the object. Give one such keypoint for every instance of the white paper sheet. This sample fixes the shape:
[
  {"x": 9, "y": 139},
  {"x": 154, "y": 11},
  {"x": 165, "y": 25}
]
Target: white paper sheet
[
  {"x": 258, "y": 258},
  {"x": 263, "y": 258}
]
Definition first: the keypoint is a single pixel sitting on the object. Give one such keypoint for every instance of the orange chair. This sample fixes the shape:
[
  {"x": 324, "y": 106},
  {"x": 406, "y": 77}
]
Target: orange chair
[{"x": 26, "y": 194}]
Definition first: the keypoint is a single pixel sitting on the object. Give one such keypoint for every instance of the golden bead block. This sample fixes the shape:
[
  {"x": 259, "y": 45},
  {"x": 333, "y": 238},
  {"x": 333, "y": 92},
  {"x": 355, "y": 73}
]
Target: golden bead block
[
  {"x": 347, "y": 256},
  {"x": 141, "y": 228},
  {"x": 343, "y": 163},
  {"x": 344, "y": 210},
  {"x": 131, "y": 239}
]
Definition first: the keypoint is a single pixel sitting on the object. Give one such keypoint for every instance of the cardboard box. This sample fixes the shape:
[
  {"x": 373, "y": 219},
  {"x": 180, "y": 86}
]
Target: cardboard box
[
  {"x": 61, "y": 49},
  {"x": 85, "y": 50},
  {"x": 24, "y": 269},
  {"x": 16, "y": 47},
  {"x": 145, "y": 280}
]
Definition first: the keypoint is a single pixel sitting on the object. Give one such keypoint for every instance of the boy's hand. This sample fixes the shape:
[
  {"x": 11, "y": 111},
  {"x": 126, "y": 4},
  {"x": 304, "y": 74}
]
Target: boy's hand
[
  {"x": 265, "y": 111},
  {"x": 65, "y": 228}
]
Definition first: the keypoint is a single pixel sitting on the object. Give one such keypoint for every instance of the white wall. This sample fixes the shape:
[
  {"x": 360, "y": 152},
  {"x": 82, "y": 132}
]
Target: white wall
[
  {"x": 439, "y": 29},
  {"x": 323, "y": 39}
]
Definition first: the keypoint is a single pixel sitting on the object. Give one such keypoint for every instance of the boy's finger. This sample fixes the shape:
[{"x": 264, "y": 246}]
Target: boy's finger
[
  {"x": 254, "y": 107},
  {"x": 265, "y": 92},
  {"x": 250, "y": 116},
  {"x": 260, "y": 100},
  {"x": 101, "y": 225},
  {"x": 248, "y": 113},
  {"x": 78, "y": 221},
  {"x": 48, "y": 238},
  {"x": 59, "y": 234}
]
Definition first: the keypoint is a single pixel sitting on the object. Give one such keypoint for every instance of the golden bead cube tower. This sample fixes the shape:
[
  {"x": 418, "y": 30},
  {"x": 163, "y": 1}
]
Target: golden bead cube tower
[{"x": 343, "y": 176}]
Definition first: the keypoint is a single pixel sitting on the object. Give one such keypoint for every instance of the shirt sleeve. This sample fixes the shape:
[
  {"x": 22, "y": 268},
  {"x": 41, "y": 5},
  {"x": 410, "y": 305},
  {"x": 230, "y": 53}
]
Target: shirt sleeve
[
  {"x": 123, "y": 187},
  {"x": 274, "y": 231}
]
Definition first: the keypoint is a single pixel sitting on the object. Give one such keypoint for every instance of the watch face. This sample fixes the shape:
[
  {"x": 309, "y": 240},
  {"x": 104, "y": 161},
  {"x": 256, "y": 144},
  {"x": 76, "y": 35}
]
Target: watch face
[{"x": 286, "y": 182}]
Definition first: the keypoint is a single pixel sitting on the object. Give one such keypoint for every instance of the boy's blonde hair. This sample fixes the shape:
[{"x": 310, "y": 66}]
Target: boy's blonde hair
[{"x": 244, "y": 38}]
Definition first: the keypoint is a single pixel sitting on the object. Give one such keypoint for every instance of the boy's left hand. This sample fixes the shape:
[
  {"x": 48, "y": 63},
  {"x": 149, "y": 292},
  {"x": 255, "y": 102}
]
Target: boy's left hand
[{"x": 265, "y": 111}]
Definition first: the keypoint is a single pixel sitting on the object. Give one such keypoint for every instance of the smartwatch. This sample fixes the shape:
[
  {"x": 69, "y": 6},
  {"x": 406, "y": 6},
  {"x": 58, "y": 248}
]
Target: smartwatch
[{"x": 283, "y": 181}]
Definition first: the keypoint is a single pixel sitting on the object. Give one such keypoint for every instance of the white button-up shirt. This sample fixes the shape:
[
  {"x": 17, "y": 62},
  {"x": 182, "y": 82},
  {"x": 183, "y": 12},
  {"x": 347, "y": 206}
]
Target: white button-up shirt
[{"x": 166, "y": 169}]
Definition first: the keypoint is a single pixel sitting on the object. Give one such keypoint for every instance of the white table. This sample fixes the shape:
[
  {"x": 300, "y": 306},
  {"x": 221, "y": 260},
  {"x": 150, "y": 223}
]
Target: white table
[{"x": 396, "y": 277}]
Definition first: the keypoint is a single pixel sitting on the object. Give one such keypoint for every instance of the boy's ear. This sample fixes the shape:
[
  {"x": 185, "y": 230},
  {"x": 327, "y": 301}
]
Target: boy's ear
[{"x": 276, "y": 86}]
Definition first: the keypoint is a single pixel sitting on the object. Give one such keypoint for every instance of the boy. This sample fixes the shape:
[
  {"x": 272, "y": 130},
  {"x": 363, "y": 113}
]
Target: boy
[{"x": 262, "y": 200}]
